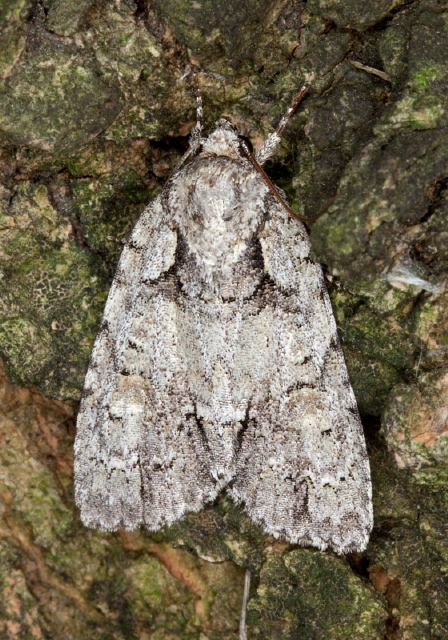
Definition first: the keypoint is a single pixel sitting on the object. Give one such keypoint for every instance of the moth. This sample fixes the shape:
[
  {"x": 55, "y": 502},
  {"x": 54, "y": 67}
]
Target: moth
[{"x": 218, "y": 365}]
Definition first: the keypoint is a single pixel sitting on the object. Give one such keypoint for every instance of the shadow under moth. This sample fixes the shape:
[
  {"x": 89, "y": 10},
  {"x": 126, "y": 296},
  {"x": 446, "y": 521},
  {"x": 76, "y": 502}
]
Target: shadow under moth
[{"x": 218, "y": 365}]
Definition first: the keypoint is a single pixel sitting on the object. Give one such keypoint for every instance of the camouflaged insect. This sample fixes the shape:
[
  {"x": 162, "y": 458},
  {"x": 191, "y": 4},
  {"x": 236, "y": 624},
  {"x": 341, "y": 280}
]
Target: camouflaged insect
[{"x": 218, "y": 365}]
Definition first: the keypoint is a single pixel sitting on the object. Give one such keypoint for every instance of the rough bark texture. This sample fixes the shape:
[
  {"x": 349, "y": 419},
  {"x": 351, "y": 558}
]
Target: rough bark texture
[{"x": 93, "y": 117}]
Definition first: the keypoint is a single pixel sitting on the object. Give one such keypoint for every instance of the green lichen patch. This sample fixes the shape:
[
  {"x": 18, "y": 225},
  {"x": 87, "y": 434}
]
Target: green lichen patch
[
  {"x": 43, "y": 509},
  {"x": 418, "y": 112},
  {"x": 203, "y": 594},
  {"x": 337, "y": 125},
  {"x": 372, "y": 381},
  {"x": 378, "y": 203},
  {"x": 393, "y": 46},
  {"x": 65, "y": 18},
  {"x": 52, "y": 291},
  {"x": 60, "y": 243},
  {"x": 107, "y": 209},
  {"x": 406, "y": 549},
  {"x": 430, "y": 526},
  {"x": 225, "y": 582},
  {"x": 434, "y": 479},
  {"x": 123, "y": 46},
  {"x": 156, "y": 109},
  {"x": 432, "y": 328},
  {"x": 153, "y": 584},
  {"x": 12, "y": 34},
  {"x": 212, "y": 30},
  {"x": 106, "y": 159},
  {"x": 380, "y": 349},
  {"x": 381, "y": 340},
  {"x": 310, "y": 595},
  {"x": 157, "y": 599},
  {"x": 384, "y": 188},
  {"x": 220, "y": 532},
  {"x": 53, "y": 101},
  {"x": 18, "y": 609},
  {"x": 130, "y": 57},
  {"x": 423, "y": 104},
  {"x": 411, "y": 550},
  {"x": 354, "y": 14},
  {"x": 425, "y": 75},
  {"x": 414, "y": 422},
  {"x": 31, "y": 498}
]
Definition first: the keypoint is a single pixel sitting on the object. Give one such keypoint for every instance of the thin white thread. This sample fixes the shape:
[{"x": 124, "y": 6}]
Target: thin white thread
[
  {"x": 419, "y": 358},
  {"x": 243, "y": 629}
]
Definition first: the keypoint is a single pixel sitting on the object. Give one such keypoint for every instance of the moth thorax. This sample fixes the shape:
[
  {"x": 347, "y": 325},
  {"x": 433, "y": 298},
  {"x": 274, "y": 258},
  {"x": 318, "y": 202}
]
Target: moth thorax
[{"x": 222, "y": 210}]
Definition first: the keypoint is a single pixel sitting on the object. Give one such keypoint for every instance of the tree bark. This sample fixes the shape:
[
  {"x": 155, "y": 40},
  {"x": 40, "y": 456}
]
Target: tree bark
[{"x": 94, "y": 116}]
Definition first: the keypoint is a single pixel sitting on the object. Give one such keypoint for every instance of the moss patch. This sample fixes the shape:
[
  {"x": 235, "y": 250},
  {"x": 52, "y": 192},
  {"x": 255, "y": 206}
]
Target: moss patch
[{"x": 312, "y": 595}]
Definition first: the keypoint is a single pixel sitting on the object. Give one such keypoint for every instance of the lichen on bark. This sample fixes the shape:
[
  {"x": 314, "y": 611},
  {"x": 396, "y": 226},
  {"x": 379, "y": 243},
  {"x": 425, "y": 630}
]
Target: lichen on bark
[{"x": 94, "y": 116}]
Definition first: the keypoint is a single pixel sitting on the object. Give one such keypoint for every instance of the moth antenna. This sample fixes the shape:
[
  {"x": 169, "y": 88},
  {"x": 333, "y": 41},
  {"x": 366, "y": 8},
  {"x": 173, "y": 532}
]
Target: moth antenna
[
  {"x": 268, "y": 147},
  {"x": 195, "y": 139},
  {"x": 291, "y": 111},
  {"x": 253, "y": 160},
  {"x": 199, "y": 108},
  {"x": 243, "y": 629}
]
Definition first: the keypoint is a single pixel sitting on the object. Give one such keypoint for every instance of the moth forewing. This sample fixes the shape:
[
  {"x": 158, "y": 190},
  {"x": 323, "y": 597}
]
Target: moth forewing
[{"x": 218, "y": 365}]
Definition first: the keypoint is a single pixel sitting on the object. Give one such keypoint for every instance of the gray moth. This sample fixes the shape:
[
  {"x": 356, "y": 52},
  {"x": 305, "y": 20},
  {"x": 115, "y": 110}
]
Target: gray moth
[{"x": 218, "y": 365}]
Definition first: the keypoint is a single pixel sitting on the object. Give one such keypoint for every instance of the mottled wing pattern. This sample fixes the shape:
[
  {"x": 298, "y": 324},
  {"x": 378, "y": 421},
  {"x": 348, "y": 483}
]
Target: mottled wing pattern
[
  {"x": 302, "y": 468},
  {"x": 139, "y": 458}
]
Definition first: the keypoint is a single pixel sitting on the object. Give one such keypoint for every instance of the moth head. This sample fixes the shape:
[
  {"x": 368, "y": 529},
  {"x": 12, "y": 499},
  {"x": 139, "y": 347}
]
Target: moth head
[
  {"x": 224, "y": 140},
  {"x": 223, "y": 123}
]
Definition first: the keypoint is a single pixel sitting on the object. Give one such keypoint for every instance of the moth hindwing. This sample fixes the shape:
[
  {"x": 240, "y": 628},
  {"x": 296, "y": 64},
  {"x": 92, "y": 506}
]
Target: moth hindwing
[{"x": 218, "y": 365}]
